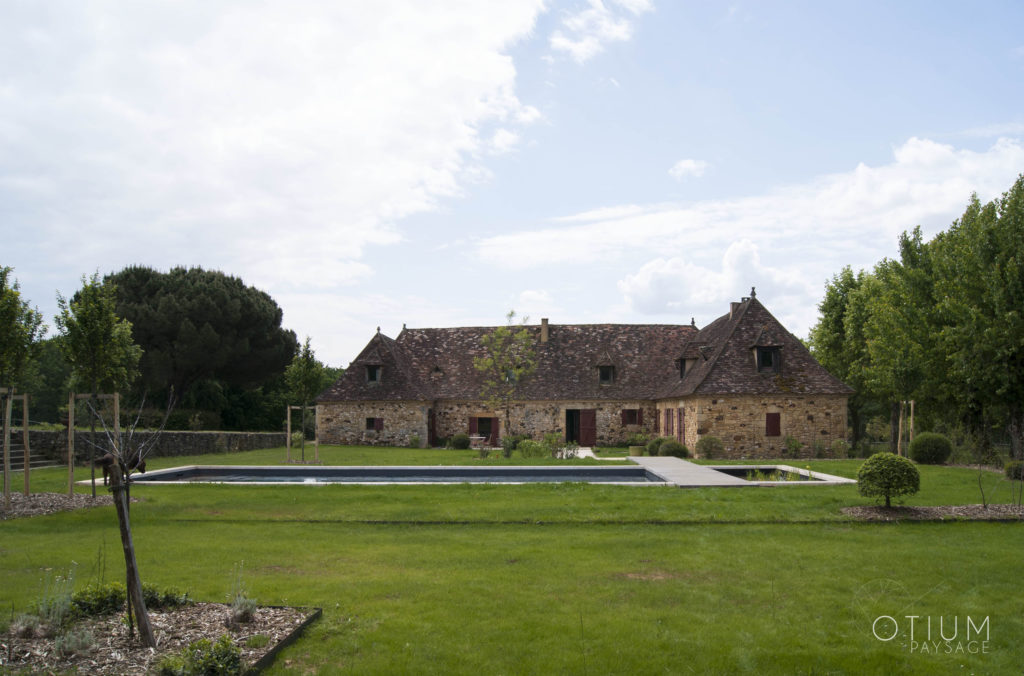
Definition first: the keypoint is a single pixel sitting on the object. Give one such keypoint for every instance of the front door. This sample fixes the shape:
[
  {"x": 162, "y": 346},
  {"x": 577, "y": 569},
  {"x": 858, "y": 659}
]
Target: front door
[{"x": 572, "y": 425}]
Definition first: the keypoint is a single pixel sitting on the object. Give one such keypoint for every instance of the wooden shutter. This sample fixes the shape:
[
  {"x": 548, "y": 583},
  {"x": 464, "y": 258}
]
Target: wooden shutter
[
  {"x": 472, "y": 426},
  {"x": 772, "y": 424},
  {"x": 495, "y": 424},
  {"x": 668, "y": 421},
  {"x": 639, "y": 416},
  {"x": 625, "y": 417},
  {"x": 588, "y": 427},
  {"x": 679, "y": 428},
  {"x": 657, "y": 422},
  {"x": 378, "y": 424}
]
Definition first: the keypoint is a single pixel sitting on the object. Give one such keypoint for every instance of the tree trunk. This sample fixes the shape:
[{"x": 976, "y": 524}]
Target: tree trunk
[
  {"x": 303, "y": 433},
  {"x": 894, "y": 423},
  {"x": 1015, "y": 429},
  {"x": 118, "y": 488}
]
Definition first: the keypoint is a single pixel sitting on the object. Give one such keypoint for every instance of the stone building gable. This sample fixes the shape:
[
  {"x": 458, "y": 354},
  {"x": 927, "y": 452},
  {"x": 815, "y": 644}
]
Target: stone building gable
[
  {"x": 725, "y": 360},
  {"x": 397, "y": 379}
]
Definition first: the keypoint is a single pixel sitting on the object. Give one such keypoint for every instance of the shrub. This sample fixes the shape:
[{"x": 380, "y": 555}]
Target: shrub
[
  {"x": 709, "y": 447},
  {"x": 654, "y": 446},
  {"x": 674, "y": 448},
  {"x": 840, "y": 449},
  {"x": 297, "y": 438},
  {"x": 460, "y": 441},
  {"x": 511, "y": 442},
  {"x": 100, "y": 599},
  {"x": 819, "y": 448},
  {"x": 930, "y": 448},
  {"x": 74, "y": 642},
  {"x": 165, "y": 599},
  {"x": 638, "y": 439},
  {"x": 889, "y": 476},
  {"x": 414, "y": 441},
  {"x": 203, "y": 658},
  {"x": 54, "y": 607},
  {"x": 791, "y": 447},
  {"x": 528, "y": 448},
  {"x": 1015, "y": 470}
]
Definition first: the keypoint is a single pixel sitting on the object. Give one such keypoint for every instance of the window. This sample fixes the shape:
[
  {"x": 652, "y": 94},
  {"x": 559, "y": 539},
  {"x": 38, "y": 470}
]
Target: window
[
  {"x": 773, "y": 424},
  {"x": 606, "y": 374},
  {"x": 373, "y": 373},
  {"x": 768, "y": 359},
  {"x": 632, "y": 416},
  {"x": 375, "y": 424}
]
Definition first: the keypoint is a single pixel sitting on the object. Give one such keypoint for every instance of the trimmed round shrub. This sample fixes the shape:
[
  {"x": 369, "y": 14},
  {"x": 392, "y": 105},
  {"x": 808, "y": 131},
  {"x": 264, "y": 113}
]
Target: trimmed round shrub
[
  {"x": 674, "y": 449},
  {"x": 1015, "y": 470},
  {"x": 460, "y": 441},
  {"x": 930, "y": 448},
  {"x": 654, "y": 445},
  {"x": 886, "y": 475},
  {"x": 710, "y": 447}
]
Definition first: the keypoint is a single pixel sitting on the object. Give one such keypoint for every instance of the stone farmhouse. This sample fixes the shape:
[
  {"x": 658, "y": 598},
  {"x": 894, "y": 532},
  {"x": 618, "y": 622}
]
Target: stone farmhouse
[{"x": 743, "y": 378}]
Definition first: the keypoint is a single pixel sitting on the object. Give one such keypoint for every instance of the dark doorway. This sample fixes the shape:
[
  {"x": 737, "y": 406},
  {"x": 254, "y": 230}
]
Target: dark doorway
[{"x": 581, "y": 426}]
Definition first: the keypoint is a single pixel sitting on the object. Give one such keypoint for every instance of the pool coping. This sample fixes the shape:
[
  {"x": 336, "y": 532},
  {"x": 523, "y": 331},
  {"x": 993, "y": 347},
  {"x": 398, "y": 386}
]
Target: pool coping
[{"x": 673, "y": 472}]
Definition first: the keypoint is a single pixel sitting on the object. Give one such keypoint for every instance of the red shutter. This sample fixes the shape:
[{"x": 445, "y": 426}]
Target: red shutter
[
  {"x": 668, "y": 421},
  {"x": 639, "y": 416},
  {"x": 772, "y": 424},
  {"x": 495, "y": 424},
  {"x": 657, "y": 422},
  {"x": 588, "y": 427},
  {"x": 624, "y": 418},
  {"x": 472, "y": 426},
  {"x": 378, "y": 424}
]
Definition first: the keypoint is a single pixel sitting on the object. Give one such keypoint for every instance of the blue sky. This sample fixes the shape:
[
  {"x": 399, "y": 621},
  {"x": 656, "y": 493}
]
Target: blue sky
[{"x": 438, "y": 164}]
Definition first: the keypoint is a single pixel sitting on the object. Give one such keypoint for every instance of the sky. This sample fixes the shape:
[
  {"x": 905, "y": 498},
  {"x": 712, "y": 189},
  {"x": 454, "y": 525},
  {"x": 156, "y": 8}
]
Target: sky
[{"x": 440, "y": 163}]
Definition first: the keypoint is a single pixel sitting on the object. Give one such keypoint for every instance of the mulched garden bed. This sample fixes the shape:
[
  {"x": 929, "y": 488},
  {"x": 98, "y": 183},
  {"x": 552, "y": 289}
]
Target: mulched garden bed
[
  {"x": 37, "y": 504},
  {"x": 936, "y": 513},
  {"x": 113, "y": 652}
]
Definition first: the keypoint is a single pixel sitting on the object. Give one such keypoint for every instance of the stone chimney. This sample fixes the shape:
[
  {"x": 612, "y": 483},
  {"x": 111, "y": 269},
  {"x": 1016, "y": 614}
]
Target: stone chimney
[
  {"x": 544, "y": 330},
  {"x": 732, "y": 309}
]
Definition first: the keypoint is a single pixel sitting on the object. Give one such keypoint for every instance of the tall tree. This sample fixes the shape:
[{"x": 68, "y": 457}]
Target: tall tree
[
  {"x": 508, "y": 360},
  {"x": 305, "y": 378},
  {"x": 98, "y": 345},
  {"x": 197, "y": 325},
  {"x": 981, "y": 287},
  {"x": 21, "y": 327}
]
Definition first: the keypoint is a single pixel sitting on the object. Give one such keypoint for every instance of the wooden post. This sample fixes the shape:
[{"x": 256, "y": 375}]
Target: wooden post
[
  {"x": 8, "y": 398},
  {"x": 316, "y": 436},
  {"x": 71, "y": 444},
  {"x": 24, "y": 437},
  {"x": 911, "y": 421},
  {"x": 288, "y": 433}
]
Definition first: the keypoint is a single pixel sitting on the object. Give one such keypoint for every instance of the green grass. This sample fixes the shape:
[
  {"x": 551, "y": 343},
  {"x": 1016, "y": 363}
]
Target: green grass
[{"x": 561, "y": 578}]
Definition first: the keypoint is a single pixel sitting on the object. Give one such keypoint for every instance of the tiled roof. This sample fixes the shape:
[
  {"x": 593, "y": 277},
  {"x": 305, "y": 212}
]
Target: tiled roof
[
  {"x": 429, "y": 364},
  {"x": 438, "y": 363}
]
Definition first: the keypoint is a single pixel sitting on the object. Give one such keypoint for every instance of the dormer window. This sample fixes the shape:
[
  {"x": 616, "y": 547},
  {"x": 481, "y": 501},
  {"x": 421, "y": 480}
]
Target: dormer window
[
  {"x": 685, "y": 365},
  {"x": 606, "y": 375},
  {"x": 768, "y": 359},
  {"x": 373, "y": 372}
]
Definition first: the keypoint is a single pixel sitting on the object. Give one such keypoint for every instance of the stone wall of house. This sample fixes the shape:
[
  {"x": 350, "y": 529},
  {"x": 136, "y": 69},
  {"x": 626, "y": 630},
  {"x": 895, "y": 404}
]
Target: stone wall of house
[
  {"x": 740, "y": 422},
  {"x": 54, "y": 444},
  {"x": 346, "y": 422},
  {"x": 537, "y": 418}
]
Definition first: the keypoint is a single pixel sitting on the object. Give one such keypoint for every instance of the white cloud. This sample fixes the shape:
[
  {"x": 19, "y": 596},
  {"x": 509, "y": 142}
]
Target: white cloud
[
  {"x": 586, "y": 32},
  {"x": 536, "y": 303},
  {"x": 684, "y": 169},
  {"x": 242, "y": 135}
]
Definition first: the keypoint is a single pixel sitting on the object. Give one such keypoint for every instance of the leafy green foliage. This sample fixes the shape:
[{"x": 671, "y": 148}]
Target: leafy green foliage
[
  {"x": 21, "y": 327},
  {"x": 709, "y": 447},
  {"x": 460, "y": 441},
  {"x": 204, "y": 658},
  {"x": 674, "y": 448},
  {"x": 99, "y": 600},
  {"x": 198, "y": 325},
  {"x": 95, "y": 341},
  {"x": 930, "y": 448},
  {"x": 1014, "y": 470},
  {"x": 654, "y": 445},
  {"x": 887, "y": 475},
  {"x": 508, "y": 360},
  {"x": 528, "y": 448}
]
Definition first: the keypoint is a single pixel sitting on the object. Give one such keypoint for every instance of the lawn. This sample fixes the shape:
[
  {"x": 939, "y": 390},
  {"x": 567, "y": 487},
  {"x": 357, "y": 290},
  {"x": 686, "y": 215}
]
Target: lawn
[{"x": 565, "y": 578}]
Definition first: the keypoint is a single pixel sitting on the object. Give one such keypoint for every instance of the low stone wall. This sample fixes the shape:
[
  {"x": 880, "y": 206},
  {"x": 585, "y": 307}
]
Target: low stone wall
[{"x": 54, "y": 445}]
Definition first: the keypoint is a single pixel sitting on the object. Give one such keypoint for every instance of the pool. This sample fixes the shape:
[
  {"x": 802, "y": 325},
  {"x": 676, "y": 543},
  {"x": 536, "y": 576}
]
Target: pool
[{"x": 315, "y": 475}]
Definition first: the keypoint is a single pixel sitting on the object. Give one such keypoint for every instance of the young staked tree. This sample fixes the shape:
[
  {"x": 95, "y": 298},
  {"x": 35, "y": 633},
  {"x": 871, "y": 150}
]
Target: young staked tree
[
  {"x": 509, "y": 358},
  {"x": 305, "y": 380},
  {"x": 21, "y": 327},
  {"x": 98, "y": 346}
]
